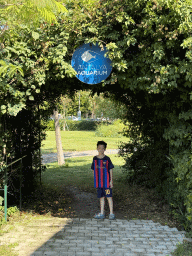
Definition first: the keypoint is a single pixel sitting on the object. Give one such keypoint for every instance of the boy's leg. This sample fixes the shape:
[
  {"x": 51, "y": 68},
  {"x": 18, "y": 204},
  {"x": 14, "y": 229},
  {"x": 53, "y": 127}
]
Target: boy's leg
[
  {"x": 102, "y": 203},
  {"x": 110, "y": 201}
]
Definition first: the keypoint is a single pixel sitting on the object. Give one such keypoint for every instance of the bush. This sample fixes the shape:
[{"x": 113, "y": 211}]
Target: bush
[
  {"x": 110, "y": 130},
  {"x": 50, "y": 125},
  {"x": 10, "y": 212},
  {"x": 146, "y": 165},
  {"x": 82, "y": 125}
]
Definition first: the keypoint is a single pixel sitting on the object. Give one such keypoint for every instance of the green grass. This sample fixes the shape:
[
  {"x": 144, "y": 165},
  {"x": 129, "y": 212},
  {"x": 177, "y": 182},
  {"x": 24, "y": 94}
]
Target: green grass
[
  {"x": 184, "y": 249},
  {"x": 78, "y": 173},
  {"x": 78, "y": 141},
  {"x": 7, "y": 250}
]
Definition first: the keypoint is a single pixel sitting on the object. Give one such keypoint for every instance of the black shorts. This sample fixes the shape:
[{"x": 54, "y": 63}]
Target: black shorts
[{"x": 104, "y": 192}]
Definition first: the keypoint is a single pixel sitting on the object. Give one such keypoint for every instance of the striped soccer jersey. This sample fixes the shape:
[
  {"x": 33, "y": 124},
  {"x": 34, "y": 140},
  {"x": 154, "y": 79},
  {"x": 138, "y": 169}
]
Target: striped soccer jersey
[{"x": 102, "y": 169}]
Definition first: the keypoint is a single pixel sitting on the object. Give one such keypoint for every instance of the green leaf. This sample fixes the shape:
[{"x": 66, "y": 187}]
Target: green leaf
[
  {"x": 112, "y": 46},
  {"x": 92, "y": 30},
  {"x": 1, "y": 200},
  {"x": 28, "y": 92},
  {"x": 3, "y": 107},
  {"x": 31, "y": 98},
  {"x": 35, "y": 35}
]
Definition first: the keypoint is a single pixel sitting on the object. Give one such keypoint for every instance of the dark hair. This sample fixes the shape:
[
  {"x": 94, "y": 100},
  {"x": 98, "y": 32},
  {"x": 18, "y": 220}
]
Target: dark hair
[{"x": 101, "y": 142}]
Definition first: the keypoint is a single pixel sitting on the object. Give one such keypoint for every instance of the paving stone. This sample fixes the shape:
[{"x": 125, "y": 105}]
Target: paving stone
[
  {"x": 37, "y": 254},
  {"x": 66, "y": 254},
  {"x": 129, "y": 254},
  {"x": 51, "y": 253},
  {"x": 150, "y": 254},
  {"x": 97, "y": 254},
  {"x": 83, "y": 254},
  {"x": 138, "y": 250}
]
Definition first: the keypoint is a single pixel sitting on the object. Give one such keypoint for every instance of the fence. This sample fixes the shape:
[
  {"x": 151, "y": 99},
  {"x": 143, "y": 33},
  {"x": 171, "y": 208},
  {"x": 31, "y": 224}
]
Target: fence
[{"x": 6, "y": 180}]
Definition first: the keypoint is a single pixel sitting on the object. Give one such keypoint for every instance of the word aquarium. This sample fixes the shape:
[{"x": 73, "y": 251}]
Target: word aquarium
[{"x": 95, "y": 72}]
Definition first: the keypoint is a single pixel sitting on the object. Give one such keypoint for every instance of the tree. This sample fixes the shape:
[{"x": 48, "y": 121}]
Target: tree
[
  {"x": 60, "y": 156},
  {"x": 65, "y": 103},
  {"x": 31, "y": 12},
  {"x": 107, "y": 107},
  {"x": 91, "y": 105}
]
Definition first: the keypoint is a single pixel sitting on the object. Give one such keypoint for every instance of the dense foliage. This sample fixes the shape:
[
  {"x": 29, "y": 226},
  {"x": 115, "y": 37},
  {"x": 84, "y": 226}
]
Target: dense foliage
[
  {"x": 150, "y": 46},
  {"x": 149, "y": 43}
]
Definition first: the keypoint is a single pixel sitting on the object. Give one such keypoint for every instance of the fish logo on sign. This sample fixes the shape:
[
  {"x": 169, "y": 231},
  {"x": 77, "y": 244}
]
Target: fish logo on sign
[{"x": 88, "y": 57}]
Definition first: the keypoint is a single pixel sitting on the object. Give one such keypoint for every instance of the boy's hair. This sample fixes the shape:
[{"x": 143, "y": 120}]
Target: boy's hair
[{"x": 101, "y": 142}]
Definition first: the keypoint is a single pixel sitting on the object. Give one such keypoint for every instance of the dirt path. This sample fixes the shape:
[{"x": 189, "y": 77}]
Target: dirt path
[{"x": 85, "y": 204}]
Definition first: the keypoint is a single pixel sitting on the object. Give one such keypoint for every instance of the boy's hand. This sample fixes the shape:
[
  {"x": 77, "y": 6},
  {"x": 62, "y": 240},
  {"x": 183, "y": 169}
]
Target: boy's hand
[{"x": 111, "y": 184}]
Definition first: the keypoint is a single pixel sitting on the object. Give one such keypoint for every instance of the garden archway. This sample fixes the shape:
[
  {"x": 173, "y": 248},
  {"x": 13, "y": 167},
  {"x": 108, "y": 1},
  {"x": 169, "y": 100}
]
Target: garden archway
[{"x": 150, "y": 47}]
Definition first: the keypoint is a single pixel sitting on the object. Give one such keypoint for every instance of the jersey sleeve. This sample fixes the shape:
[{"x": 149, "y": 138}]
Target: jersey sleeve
[
  {"x": 111, "y": 166},
  {"x": 92, "y": 166}
]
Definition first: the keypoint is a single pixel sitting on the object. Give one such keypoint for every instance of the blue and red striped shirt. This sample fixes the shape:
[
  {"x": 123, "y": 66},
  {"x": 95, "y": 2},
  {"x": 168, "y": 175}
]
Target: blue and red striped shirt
[{"x": 102, "y": 169}]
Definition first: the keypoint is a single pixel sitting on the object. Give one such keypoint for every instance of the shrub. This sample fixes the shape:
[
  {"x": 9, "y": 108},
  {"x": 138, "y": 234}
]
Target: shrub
[
  {"x": 10, "y": 212},
  {"x": 50, "y": 125},
  {"x": 110, "y": 130},
  {"x": 82, "y": 125},
  {"x": 146, "y": 165}
]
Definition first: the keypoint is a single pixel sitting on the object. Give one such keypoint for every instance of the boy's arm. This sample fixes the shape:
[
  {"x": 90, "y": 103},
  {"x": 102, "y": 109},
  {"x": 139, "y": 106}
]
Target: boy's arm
[{"x": 111, "y": 175}]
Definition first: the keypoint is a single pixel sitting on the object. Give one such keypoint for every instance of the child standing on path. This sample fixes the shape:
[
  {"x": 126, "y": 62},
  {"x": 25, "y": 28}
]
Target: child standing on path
[{"x": 102, "y": 170}]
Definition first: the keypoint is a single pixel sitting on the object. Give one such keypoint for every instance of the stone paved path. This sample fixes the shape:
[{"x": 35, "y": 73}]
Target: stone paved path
[
  {"x": 52, "y": 157},
  {"x": 90, "y": 237}
]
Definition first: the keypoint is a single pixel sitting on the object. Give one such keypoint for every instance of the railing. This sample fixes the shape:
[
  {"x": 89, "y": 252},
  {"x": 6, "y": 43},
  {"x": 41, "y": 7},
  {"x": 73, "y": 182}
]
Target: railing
[{"x": 6, "y": 181}]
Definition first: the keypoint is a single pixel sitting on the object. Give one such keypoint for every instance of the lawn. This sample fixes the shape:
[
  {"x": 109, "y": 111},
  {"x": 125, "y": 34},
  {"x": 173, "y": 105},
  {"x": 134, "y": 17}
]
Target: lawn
[{"x": 78, "y": 141}]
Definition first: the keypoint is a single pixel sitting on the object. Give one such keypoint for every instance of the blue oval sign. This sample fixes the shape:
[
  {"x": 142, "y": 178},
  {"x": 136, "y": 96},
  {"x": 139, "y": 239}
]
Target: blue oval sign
[{"x": 90, "y": 64}]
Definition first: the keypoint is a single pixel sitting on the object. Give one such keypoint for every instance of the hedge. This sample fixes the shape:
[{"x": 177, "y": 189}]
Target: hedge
[{"x": 82, "y": 125}]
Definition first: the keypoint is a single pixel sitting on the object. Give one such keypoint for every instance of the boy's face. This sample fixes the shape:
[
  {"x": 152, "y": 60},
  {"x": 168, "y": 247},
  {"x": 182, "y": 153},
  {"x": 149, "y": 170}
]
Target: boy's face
[{"x": 101, "y": 149}]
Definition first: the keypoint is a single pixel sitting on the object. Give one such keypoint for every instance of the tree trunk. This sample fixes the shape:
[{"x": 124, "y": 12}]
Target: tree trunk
[
  {"x": 93, "y": 110},
  {"x": 60, "y": 156}
]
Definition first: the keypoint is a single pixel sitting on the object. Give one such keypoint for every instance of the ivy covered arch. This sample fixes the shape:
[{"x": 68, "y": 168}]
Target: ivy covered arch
[{"x": 149, "y": 43}]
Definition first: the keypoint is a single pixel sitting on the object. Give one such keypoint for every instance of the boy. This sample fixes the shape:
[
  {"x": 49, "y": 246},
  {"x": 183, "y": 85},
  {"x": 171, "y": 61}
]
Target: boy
[{"x": 102, "y": 170}]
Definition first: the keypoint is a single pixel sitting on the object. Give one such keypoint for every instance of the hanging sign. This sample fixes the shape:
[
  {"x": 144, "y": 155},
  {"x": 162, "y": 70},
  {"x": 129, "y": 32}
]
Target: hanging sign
[{"x": 90, "y": 64}]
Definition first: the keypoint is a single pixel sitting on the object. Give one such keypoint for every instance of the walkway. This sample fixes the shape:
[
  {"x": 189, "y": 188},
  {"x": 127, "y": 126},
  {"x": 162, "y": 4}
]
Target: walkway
[
  {"x": 50, "y": 158},
  {"x": 90, "y": 237}
]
